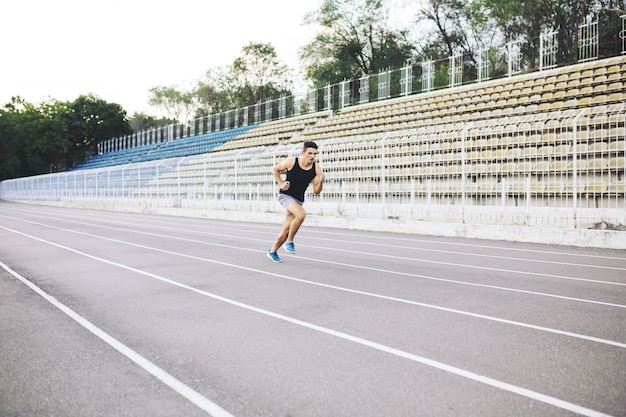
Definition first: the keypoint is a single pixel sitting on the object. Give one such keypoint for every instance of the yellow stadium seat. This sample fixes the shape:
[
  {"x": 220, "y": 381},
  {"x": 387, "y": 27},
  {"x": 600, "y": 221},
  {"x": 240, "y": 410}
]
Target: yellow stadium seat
[
  {"x": 600, "y": 99},
  {"x": 559, "y": 166},
  {"x": 599, "y": 147},
  {"x": 617, "y": 187},
  {"x": 596, "y": 187},
  {"x": 581, "y": 164},
  {"x": 500, "y": 153},
  {"x": 453, "y": 169},
  {"x": 518, "y": 187},
  {"x": 487, "y": 187},
  {"x": 546, "y": 151},
  {"x": 562, "y": 149},
  {"x": 476, "y": 168},
  {"x": 537, "y": 187},
  {"x": 554, "y": 187},
  {"x": 542, "y": 166},
  {"x": 494, "y": 168},
  {"x": 473, "y": 155},
  {"x": 508, "y": 167},
  {"x": 596, "y": 164},
  {"x": 570, "y": 188},
  {"x": 617, "y": 86},
  {"x": 530, "y": 151},
  {"x": 617, "y": 163},
  {"x": 618, "y": 145},
  {"x": 600, "y": 88},
  {"x": 581, "y": 148}
]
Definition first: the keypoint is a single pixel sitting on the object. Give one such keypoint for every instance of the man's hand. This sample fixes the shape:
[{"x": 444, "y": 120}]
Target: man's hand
[{"x": 285, "y": 185}]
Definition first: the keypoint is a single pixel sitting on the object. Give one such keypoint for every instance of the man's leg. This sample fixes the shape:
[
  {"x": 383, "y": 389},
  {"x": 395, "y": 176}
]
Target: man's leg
[
  {"x": 284, "y": 232},
  {"x": 299, "y": 215}
]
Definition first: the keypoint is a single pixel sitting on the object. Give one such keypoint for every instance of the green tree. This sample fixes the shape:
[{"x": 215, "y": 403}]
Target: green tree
[
  {"x": 91, "y": 120},
  {"x": 468, "y": 25},
  {"x": 259, "y": 75},
  {"x": 355, "y": 39},
  {"x": 256, "y": 75},
  {"x": 10, "y": 160},
  {"x": 175, "y": 103},
  {"x": 211, "y": 93},
  {"x": 141, "y": 121},
  {"x": 35, "y": 138}
]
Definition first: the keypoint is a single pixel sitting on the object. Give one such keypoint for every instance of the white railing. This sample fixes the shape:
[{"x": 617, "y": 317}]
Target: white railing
[{"x": 560, "y": 169}]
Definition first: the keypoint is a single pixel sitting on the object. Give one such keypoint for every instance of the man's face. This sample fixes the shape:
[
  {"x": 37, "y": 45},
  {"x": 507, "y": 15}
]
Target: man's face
[{"x": 309, "y": 155}]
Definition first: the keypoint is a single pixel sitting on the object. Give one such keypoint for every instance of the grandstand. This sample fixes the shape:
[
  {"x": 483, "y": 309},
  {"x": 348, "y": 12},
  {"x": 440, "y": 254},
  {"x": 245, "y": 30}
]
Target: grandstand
[{"x": 543, "y": 149}]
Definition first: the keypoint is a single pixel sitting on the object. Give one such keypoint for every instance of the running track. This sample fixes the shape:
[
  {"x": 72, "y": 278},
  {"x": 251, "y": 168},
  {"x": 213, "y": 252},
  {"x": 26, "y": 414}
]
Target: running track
[{"x": 117, "y": 314}]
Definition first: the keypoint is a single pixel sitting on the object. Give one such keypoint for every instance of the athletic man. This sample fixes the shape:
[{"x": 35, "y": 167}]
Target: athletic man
[{"x": 300, "y": 173}]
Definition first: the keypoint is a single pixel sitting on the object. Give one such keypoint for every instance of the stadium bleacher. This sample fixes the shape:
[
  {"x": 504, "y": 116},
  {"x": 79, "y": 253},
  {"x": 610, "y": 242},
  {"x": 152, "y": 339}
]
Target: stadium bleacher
[
  {"x": 193, "y": 145},
  {"x": 548, "y": 139}
]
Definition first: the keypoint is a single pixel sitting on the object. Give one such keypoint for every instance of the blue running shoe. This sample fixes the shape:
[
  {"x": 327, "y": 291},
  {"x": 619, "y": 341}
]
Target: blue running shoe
[
  {"x": 274, "y": 256},
  {"x": 289, "y": 247}
]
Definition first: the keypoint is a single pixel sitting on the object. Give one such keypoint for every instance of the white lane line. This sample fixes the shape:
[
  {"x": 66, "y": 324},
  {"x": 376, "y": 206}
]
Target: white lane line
[
  {"x": 510, "y": 271},
  {"x": 386, "y": 271},
  {"x": 189, "y": 393},
  {"x": 533, "y": 395},
  {"x": 229, "y": 225},
  {"x": 365, "y": 293},
  {"x": 422, "y": 249}
]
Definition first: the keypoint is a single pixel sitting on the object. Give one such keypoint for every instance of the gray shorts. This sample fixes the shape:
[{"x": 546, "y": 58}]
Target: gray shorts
[{"x": 286, "y": 199}]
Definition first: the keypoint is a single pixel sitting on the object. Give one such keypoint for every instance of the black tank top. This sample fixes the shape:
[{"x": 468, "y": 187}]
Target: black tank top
[{"x": 299, "y": 180}]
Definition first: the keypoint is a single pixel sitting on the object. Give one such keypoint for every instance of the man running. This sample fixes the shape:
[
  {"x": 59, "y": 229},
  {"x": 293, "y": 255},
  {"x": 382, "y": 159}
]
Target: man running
[{"x": 300, "y": 173}]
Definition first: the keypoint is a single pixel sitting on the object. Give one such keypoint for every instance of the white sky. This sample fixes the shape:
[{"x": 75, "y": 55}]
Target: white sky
[{"x": 118, "y": 49}]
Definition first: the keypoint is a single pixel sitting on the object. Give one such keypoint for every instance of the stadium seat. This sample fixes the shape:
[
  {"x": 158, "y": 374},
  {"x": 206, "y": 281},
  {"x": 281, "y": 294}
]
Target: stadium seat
[
  {"x": 554, "y": 187},
  {"x": 617, "y": 163},
  {"x": 542, "y": 166},
  {"x": 596, "y": 187},
  {"x": 559, "y": 166},
  {"x": 598, "y": 147},
  {"x": 596, "y": 164},
  {"x": 562, "y": 150},
  {"x": 618, "y": 145},
  {"x": 617, "y": 187}
]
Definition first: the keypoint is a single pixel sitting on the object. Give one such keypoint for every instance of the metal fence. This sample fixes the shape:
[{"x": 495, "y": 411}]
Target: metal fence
[
  {"x": 562, "y": 169},
  {"x": 503, "y": 61}
]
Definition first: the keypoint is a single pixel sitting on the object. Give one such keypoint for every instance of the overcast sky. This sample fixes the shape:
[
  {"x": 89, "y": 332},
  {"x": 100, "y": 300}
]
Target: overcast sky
[{"x": 118, "y": 49}]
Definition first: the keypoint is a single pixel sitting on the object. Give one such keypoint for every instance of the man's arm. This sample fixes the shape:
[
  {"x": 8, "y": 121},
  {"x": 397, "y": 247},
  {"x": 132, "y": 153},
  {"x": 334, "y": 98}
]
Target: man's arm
[
  {"x": 318, "y": 181},
  {"x": 282, "y": 166}
]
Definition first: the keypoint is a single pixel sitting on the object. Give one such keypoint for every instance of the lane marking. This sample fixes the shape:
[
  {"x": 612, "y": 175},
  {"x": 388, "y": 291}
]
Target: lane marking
[
  {"x": 203, "y": 223},
  {"x": 533, "y": 395},
  {"x": 407, "y": 274},
  {"x": 403, "y": 247},
  {"x": 187, "y": 392},
  {"x": 365, "y": 293},
  {"x": 351, "y": 251}
]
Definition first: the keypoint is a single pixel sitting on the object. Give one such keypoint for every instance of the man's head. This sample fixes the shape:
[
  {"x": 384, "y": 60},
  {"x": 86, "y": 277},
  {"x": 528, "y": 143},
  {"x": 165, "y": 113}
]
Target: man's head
[
  {"x": 309, "y": 152},
  {"x": 309, "y": 144}
]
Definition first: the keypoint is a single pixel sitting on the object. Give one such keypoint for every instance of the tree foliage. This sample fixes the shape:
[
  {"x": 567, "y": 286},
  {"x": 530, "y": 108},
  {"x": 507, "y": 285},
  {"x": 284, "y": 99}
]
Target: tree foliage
[
  {"x": 355, "y": 39},
  {"x": 175, "y": 103},
  {"x": 256, "y": 75},
  {"x": 142, "y": 121},
  {"x": 92, "y": 120},
  {"x": 55, "y": 135},
  {"x": 467, "y": 26}
]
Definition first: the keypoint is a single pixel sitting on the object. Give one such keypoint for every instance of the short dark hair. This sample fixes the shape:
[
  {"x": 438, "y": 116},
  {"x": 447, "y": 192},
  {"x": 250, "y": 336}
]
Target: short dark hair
[{"x": 309, "y": 144}]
